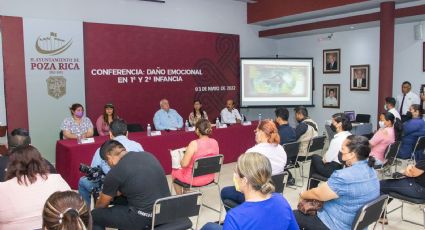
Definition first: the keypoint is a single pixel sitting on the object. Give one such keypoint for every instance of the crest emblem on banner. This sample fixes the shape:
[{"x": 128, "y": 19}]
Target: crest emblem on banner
[
  {"x": 52, "y": 44},
  {"x": 56, "y": 86}
]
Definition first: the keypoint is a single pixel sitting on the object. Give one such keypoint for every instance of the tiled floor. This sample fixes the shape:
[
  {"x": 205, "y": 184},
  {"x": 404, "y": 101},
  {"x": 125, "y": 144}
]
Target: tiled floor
[{"x": 212, "y": 197}]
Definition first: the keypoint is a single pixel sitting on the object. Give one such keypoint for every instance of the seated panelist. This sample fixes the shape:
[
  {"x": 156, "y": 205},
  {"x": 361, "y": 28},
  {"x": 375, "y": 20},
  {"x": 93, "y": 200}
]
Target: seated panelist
[
  {"x": 167, "y": 118},
  {"x": 230, "y": 115}
]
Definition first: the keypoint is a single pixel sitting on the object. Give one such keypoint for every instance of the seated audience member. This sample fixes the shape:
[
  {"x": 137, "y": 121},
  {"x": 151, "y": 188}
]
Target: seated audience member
[
  {"x": 413, "y": 128},
  {"x": 66, "y": 210},
  {"x": 167, "y": 118},
  {"x": 413, "y": 185},
  {"x": 262, "y": 209},
  {"x": 103, "y": 122},
  {"x": 346, "y": 191},
  {"x": 197, "y": 114},
  {"x": 28, "y": 185},
  {"x": 329, "y": 163},
  {"x": 390, "y": 107},
  {"x": 230, "y": 115},
  {"x": 18, "y": 137},
  {"x": 267, "y": 139},
  {"x": 137, "y": 176},
  {"x": 286, "y": 132},
  {"x": 204, "y": 146},
  {"x": 390, "y": 132},
  {"x": 77, "y": 124},
  {"x": 118, "y": 131},
  {"x": 305, "y": 130}
]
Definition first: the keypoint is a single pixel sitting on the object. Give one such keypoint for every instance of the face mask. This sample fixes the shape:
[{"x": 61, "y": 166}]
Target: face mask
[
  {"x": 409, "y": 115},
  {"x": 79, "y": 114},
  {"x": 385, "y": 107},
  {"x": 235, "y": 182},
  {"x": 333, "y": 128},
  {"x": 381, "y": 124}
]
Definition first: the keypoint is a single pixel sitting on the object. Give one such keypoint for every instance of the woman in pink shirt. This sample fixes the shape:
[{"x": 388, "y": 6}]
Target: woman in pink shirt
[
  {"x": 102, "y": 123},
  {"x": 389, "y": 132},
  {"x": 204, "y": 146},
  {"x": 27, "y": 186}
]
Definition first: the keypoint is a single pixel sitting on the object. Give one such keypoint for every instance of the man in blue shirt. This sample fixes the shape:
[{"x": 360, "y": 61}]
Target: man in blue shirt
[
  {"x": 117, "y": 131},
  {"x": 166, "y": 118}
]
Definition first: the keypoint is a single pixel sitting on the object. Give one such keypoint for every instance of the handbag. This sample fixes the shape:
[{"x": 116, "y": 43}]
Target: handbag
[{"x": 310, "y": 207}]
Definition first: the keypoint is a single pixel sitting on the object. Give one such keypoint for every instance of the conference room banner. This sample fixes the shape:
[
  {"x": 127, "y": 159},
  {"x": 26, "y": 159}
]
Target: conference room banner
[
  {"x": 54, "y": 69},
  {"x": 135, "y": 67}
]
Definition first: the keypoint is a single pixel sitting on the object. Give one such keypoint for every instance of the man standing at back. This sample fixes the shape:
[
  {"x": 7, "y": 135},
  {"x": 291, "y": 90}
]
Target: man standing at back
[
  {"x": 406, "y": 99},
  {"x": 117, "y": 131},
  {"x": 306, "y": 129},
  {"x": 167, "y": 118},
  {"x": 137, "y": 176}
]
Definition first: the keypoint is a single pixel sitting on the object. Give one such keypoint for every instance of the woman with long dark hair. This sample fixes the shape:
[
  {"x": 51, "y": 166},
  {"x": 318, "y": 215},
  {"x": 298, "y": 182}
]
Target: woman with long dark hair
[
  {"x": 27, "y": 186},
  {"x": 104, "y": 120},
  {"x": 198, "y": 113}
]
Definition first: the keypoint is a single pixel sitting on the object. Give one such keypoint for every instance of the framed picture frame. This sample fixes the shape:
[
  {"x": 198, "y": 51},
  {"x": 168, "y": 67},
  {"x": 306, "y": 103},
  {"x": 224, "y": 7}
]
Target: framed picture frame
[
  {"x": 423, "y": 57},
  {"x": 359, "y": 77},
  {"x": 331, "y": 61},
  {"x": 421, "y": 92},
  {"x": 331, "y": 96}
]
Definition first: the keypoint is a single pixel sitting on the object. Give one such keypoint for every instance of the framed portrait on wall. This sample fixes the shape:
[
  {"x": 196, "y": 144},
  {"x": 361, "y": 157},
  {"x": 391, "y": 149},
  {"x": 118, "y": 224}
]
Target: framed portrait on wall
[
  {"x": 359, "y": 77},
  {"x": 331, "y": 61},
  {"x": 421, "y": 92},
  {"x": 423, "y": 56},
  {"x": 331, "y": 96}
]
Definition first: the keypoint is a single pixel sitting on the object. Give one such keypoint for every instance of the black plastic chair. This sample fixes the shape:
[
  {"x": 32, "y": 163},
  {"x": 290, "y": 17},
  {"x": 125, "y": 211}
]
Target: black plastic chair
[
  {"x": 409, "y": 200},
  {"x": 279, "y": 181},
  {"x": 390, "y": 157},
  {"x": 419, "y": 146},
  {"x": 370, "y": 213},
  {"x": 316, "y": 177},
  {"x": 172, "y": 213},
  {"x": 204, "y": 166},
  {"x": 132, "y": 128},
  {"x": 61, "y": 135},
  {"x": 292, "y": 150},
  {"x": 315, "y": 144}
]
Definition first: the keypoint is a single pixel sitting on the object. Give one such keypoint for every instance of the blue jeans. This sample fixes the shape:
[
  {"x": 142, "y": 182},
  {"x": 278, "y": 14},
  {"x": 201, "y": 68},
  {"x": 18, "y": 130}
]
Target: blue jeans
[
  {"x": 85, "y": 188},
  {"x": 407, "y": 187},
  {"x": 212, "y": 226},
  {"x": 230, "y": 193}
]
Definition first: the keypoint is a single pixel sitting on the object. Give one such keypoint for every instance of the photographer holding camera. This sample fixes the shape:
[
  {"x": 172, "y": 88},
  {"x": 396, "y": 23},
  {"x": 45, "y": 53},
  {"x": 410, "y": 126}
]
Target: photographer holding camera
[
  {"x": 87, "y": 184},
  {"x": 137, "y": 176}
]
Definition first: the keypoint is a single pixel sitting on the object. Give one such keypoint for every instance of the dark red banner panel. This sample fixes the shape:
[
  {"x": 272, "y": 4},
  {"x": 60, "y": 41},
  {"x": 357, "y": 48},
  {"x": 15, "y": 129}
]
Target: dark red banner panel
[{"x": 135, "y": 67}]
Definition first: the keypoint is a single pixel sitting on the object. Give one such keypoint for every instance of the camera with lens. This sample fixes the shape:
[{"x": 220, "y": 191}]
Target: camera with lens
[{"x": 95, "y": 175}]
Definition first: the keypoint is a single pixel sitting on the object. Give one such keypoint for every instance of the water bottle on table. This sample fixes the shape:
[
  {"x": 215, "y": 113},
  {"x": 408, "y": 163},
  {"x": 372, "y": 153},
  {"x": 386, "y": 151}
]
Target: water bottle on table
[
  {"x": 149, "y": 130},
  {"x": 217, "y": 123},
  {"x": 259, "y": 118},
  {"x": 186, "y": 126},
  {"x": 79, "y": 137}
]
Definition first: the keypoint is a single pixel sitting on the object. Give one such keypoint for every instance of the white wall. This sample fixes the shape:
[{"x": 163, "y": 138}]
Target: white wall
[
  {"x": 222, "y": 16},
  {"x": 407, "y": 58},
  {"x": 357, "y": 47}
]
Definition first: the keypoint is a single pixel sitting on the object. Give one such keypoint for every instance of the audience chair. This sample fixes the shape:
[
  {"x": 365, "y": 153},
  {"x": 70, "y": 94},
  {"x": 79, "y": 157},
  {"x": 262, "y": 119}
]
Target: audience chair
[
  {"x": 370, "y": 213},
  {"x": 316, "y": 177},
  {"x": 409, "y": 200},
  {"x": 95, "y": 132},
  {"x": 134, "y": 128},
  {"x": 279, "y": 181},
  {"x": 363, "y": 118},
  {"x": 316, "y": 144},
  {"x": 420, "y": 145},
  {"x": 173, "y": 212},
  {"x": 204, "y": 166},
  {"x": 61, "y": 135},
  {"x": 292, "y": 150},
  {"x": 390, "y": 157},
  {"x": 329, "y": 132}
]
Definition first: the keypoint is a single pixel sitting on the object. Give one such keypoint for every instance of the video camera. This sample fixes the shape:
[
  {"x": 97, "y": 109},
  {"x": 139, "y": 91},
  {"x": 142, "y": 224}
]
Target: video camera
[{"x": 95, "y": 175}]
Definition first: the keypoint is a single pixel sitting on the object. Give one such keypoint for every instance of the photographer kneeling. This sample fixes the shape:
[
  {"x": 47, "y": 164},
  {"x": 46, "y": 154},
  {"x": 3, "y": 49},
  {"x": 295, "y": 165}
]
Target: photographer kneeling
[
  {"x": 88, "y": 185},
  {"x": 137, "y": 176}
]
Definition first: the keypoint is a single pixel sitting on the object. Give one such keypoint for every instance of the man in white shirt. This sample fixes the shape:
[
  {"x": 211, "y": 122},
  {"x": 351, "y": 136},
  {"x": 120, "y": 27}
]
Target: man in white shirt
[
  {"x": 330, "y": 100},
  {"x": 406, "y": 99},
  {"x": 230, "y": 115},
  {"x": 390, "y": 107},
  {"x": 325, "y": 167}
]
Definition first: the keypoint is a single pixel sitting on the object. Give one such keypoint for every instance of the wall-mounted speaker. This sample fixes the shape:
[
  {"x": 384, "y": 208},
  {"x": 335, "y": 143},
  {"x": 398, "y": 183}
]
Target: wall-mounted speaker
[{"x": 419, "y": 34}]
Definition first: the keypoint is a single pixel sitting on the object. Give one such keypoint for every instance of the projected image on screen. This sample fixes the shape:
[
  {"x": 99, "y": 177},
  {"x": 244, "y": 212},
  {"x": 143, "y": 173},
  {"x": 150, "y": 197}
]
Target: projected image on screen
[{"x": 276, "y": 82}]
